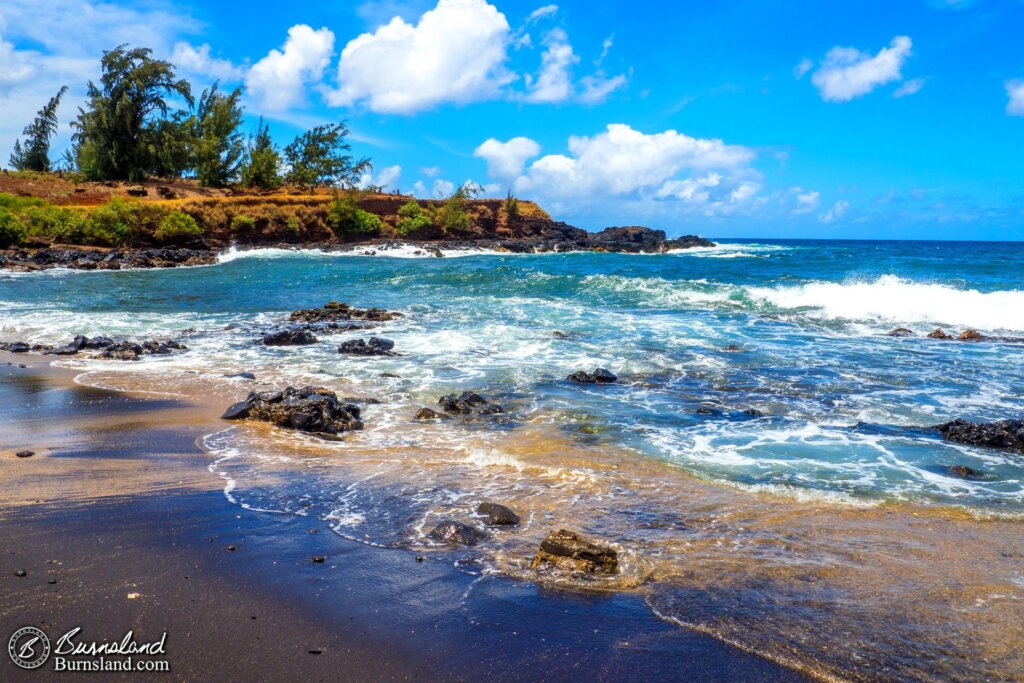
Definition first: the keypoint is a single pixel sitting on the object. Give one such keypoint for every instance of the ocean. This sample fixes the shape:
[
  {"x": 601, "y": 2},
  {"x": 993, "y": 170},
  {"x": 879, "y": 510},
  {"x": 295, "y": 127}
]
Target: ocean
[{"x": 765, "y": 463}]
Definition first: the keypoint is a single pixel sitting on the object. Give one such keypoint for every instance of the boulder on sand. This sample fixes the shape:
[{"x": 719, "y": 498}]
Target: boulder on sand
[
  {"x": 309, "y": 409},
  {"x": 569, "y": 551}
]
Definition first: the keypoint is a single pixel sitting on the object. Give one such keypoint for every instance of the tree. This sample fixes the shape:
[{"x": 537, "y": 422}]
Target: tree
[
  {"x": 317, "y": 158},
  {"x": 262, "y": 163},
  {"x": 35, "y": 154},
  {"x": 119, "y": 129},
  {"x": 217, "y": 145}
]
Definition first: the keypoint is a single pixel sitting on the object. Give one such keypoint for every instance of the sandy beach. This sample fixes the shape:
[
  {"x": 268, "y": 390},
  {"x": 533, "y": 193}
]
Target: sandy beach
[{"x": 119, "y": 525}]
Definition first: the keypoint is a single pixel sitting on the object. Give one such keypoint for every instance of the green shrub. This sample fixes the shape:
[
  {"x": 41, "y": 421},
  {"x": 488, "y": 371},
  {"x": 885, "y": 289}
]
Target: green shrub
[
  {"x": 243, "y": 223},
  {"x": 12, "y": 231},
  {"x": 293, "y": 226},
  {"x": 177, "y": 226},
  {"x": 345, "y": 216},
  {"x": 110, "y": 224},
  {"x": 54, "y": 223},
  {"x": 411, "y": 218},
  {"x": 511, "y": 206},
  {"x": 16, "y": 204}
]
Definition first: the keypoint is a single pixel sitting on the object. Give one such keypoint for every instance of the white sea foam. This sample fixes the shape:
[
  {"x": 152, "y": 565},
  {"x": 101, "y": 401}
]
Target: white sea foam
[
  {"x": 409, "y": 251},
  {"x": 896, "y": 300}
]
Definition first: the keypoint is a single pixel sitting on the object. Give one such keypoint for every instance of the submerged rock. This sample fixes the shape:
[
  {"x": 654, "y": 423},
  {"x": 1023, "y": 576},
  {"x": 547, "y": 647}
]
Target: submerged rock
[
  {"x": 971, "y": 335},
  {"x": 962, "y": 471},
  {"x": 428, "y": 414},
  {"x": 456, "y": 533},
  {"x": 939, "y": 333},
  {"x": 1005, "y": 434},
  {"x": 242, "y": 375},
  {"x": 599, "y": 376},
  {"x": 289, "y": 338},
  {"x": 569, "y": 551},
  {"x": 374, "y": 346},
  {"x": 309, "y": 409},
  {"x": 497, "y": 515},
  {"x": 468, "y": 403},
  {"x": 900, "y": 332}
]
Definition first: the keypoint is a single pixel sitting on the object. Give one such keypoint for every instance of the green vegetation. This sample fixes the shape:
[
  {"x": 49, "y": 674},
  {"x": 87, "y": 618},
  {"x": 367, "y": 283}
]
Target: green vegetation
[
  {"x": 243, "y": 223},
  {"x": 177, "y": 226},
  {"x": 451, "y": 213},
  {"x": 262, "y": 163},
  {"x": 54, "y": 223},
  {"x": 511, "y": 206},
  {"x": 35, "y": 154},
  {"x": 218, "y": 146},
  {"x": 411, "y": 218},
  {"x": 317, "y": 157},
  {"x": 345, "y": 216},
  {"x": 120, "y": 131},
  {"x": 12, "y": 231}
]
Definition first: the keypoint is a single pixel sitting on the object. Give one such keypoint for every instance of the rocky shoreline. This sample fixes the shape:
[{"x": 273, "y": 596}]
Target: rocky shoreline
[{"x": 555, "y": 237}]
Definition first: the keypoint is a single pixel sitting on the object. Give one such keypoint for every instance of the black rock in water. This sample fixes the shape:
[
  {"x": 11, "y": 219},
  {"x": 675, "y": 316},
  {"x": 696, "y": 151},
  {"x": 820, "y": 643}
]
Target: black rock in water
[
  {"x": 1007, "y": 435},
  {"x": 456, "y": 533},
  {"x": 900, "y": 332},
  {"x": 468, "y": 403},
  {"x": 25, "y": 454},
  {"x": 962, "y": 471},
  {"x": 242, "y": 375},
  {"x": 428, "y": 414},
  {"x": 569, "y": 551},
  {"x": 374, "y": 346},
  {"x": 497, "y": 515},
  {"x": 309, "y": 409},
  {"x": 289, "y": 338},
  {"x": 599, "y": 376}
]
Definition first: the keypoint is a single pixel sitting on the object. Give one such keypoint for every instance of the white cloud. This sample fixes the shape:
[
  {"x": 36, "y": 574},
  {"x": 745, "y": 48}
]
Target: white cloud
[
  {"x": 506, "y": 160},
  {"x": 801, "y": 69},
  {"x": 606, "y": 47},
  {"x": 806, "y": 202},
  {"x": 1015, "y": 90},
  {"x": 277, "y": 82},
  {"x": 16, "y": 66},
  {"x": 443, "y": 188},
  {"x": 847, "y": 73},
  {"x": 554, "y": 83},
  {"x": 197, "y": 60},
  {"x": 837, "y": 211},
  {"x": 541, "y": 12},
  {"x": 909, "y": 88},
  {"x": 456, "y": 53},
  {"x": 430, "y": 171},
  {"x": 624, "y": 164},
  {"x": 597, "y": 88}
]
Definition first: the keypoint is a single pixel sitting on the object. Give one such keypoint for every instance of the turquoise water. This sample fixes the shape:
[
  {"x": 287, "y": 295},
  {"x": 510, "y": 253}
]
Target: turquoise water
[{"x": 843, "y": 404}]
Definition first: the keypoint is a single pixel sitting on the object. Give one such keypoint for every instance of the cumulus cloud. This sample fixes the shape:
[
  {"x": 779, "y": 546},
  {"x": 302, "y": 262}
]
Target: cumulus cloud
[
  {"x": 277, "y": 82},
  {"x": 837, "y": 211},
  {"x": 624, "y": 163},
  {"x": 1015, "y": 90},
  {"x": 197, "y": 60},
  {"x": 847, "y": 73},
  {"x": 387, "y": 178},
  {"x": 909, "y": 88},
  {"x": 506, "y": 160},
  {"x": 456, "y": 53},
  {"x": 16, "y": 66}
]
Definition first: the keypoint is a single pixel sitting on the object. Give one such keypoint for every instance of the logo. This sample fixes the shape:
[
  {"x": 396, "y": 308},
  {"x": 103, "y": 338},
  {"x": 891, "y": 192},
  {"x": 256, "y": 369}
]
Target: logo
[{"x": 29, "y": 647}]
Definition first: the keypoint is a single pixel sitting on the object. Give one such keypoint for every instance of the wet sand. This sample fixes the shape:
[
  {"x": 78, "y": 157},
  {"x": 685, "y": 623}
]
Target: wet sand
[{"x": 118, "y": 500}]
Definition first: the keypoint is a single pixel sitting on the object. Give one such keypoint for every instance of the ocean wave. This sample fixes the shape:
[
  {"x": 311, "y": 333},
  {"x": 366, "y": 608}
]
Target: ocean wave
[{"x": 407, "y": 251}]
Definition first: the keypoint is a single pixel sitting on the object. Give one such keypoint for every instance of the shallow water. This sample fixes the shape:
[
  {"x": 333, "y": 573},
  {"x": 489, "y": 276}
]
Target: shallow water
[{"x": 826, "y": 534}]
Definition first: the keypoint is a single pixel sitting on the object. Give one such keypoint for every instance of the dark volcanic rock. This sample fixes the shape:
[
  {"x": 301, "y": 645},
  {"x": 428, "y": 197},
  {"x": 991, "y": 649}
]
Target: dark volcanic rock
[
  {"x": 86, "y": 258},
  {"x": 289, "y": 338},
  {"x": 374, "y": 346},
  {"x": 468, "y": 403},
  {"x": 122, "y": 350},
  {"x": 456, "y": 533},
  {"x": 242, "y": 375},
  {"x": 428, "y": 414},
  {"x": 900, "y": 332},
  {"x": 637, "y": 239},
  {"x": 497, "y": 515},
  {"x": 16, "y": 347},
  {"x": 1004, "y": 434},
  {"x": 336, "y": 311},
  {"x": 938, "y": 333},
  {"x": 599, "y": 376},
  {"x": 25, "y": 454},
  {"x": 569, "y": 551},
  {"x": 971, "y": 335},
  {"x": 310, "y": 409}
]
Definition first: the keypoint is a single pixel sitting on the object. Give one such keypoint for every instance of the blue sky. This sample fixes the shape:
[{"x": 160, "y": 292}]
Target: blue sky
[{"x": 746, "y": 119}]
